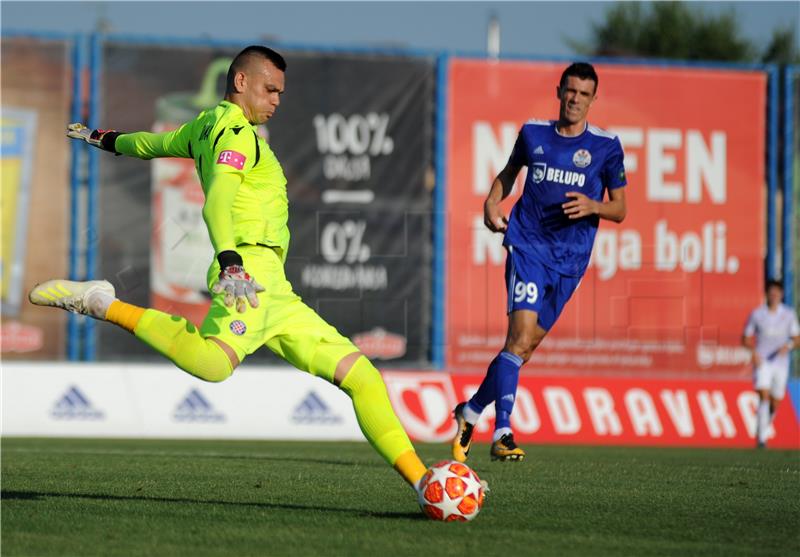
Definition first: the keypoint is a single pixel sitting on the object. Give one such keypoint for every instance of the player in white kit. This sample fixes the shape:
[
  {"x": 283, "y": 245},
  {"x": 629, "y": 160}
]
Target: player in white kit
[{"x": 772, "y": 332}]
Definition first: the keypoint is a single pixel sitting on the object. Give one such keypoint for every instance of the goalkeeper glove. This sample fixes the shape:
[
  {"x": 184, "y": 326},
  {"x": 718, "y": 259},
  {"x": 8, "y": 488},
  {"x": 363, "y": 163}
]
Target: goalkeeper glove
[
  {"x": 102, "y": 139},
  {"x": 235, "y": 283}
]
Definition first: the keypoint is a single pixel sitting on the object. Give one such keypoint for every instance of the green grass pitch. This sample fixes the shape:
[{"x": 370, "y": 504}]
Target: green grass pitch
[{"x": 120, "y": 497}]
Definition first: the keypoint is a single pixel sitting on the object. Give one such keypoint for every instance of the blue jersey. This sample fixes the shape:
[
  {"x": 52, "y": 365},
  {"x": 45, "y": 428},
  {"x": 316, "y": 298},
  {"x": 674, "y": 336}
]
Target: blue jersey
[{"x": 588, "y": 163}]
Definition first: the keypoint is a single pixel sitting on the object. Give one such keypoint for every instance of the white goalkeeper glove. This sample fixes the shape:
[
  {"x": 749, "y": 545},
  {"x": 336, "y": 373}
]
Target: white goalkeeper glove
[
  {"x": 235, "y": 283},
  {"x": 102, "y": 139}
]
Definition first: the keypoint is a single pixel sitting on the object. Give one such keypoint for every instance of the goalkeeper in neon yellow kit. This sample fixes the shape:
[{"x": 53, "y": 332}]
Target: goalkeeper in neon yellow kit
[{"x": 246, "y": 211}]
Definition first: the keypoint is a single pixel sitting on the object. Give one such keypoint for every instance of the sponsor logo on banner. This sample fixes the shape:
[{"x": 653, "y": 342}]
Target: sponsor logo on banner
[
  {"x": 343, "y": 245},
  {"x": 75, "y": 405},
  {"x": 196, "y": 408},
  {"x": 313, "y": 410},
  {"x": 349, "y": 144},
  {"x": 18, "y": 337},
  {"x": 596, "y": 410},
  {"x": 713, "y": 355},
  {"x": 424, "y": 402},
  {"x": 381, "y": 344}
]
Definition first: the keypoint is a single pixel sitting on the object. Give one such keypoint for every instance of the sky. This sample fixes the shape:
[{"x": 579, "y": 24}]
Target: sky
[{"x": 526, "y": 28}]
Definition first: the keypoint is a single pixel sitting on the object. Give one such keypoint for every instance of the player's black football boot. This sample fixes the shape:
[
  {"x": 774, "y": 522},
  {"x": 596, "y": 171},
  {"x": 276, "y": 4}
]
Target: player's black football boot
[
  {"x": 506, "y": 449},
  {"x": 463, "y": 439}
]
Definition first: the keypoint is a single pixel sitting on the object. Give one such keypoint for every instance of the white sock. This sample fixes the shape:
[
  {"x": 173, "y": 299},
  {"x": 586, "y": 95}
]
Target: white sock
[
  {"x": 762, "y": 417},
  {"x": 98, "y": 302},
  {"x": 471, "y": 415},
  {"x": 498, "y": 433}
]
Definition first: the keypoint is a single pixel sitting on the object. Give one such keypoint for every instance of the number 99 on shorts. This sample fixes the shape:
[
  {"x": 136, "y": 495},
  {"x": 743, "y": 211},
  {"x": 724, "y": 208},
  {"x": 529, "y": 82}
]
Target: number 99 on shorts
[{"x": 526, "y": 291}]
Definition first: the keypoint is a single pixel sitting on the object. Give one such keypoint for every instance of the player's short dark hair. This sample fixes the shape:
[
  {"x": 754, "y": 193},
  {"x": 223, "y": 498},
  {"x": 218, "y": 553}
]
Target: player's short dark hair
[
  {"x": 254, "y": 50},
  {"x": 581, "y": 70},
  {"x": 773, "y": 282}
]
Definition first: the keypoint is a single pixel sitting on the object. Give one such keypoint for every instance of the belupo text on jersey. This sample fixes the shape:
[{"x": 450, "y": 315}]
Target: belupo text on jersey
[{"x": 567, "y": 177}]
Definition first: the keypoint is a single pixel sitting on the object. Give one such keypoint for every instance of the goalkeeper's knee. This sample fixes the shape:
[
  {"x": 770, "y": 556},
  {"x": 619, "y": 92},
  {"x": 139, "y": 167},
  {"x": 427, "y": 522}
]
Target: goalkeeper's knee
[
  {"x": 362, "y": 377},
  {"x": 206, "y": 361},
  {"x": 180, "y": 341}
]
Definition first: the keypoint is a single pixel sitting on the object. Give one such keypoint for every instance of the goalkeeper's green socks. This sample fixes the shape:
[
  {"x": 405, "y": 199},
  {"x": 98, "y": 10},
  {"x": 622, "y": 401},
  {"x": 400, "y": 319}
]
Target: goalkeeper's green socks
[
  {"x": 173, "y": 337},
  {"x": 378, "y": 421}
]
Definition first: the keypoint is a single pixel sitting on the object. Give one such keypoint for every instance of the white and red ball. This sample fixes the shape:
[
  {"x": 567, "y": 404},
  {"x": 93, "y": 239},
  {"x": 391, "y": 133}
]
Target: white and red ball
[{"x": 450, "y": 491}]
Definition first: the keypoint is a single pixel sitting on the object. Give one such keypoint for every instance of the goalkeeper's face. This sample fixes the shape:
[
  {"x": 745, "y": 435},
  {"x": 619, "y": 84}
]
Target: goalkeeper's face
[{"x": 260, "y": 87}]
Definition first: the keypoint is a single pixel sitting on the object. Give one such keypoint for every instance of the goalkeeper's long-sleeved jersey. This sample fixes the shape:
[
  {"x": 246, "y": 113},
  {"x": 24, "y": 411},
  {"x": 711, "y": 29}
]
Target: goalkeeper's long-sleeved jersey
[{"x": 243, "y": 182}]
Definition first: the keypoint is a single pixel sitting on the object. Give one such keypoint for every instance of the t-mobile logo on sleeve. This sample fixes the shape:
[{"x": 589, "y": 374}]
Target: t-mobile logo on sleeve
[{"x": 232, "y": 158}]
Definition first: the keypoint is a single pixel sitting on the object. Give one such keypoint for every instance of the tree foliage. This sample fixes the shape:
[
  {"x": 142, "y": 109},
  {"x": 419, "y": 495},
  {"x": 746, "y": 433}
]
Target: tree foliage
[
  {"x": 679, "y": 31},
  {"x": 782, "y": 49}
]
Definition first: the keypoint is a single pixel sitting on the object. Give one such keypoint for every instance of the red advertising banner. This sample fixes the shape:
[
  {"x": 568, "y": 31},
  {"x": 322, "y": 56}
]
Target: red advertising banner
[
  {"x": 670, "y": 288},
  {"x": 597, "y": 410}
]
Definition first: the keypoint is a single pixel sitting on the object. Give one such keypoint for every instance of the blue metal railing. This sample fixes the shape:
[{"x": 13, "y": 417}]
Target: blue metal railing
[
  {"x": 771, "y": 269},
  {"x": 93, "y": 190},
  {"x": 790, "y": 228},
  {"x": 438, "y": 332},
  {"x": 77, "y": 149}
]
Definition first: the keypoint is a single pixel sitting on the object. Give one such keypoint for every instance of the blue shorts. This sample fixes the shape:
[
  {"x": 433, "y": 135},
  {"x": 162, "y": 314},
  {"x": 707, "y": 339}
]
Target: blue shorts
[{"x": 536, "y": 287}]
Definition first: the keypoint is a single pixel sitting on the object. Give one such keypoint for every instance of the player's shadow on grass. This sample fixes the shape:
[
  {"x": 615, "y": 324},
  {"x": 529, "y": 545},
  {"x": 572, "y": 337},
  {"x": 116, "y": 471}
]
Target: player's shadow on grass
[
  {"x": 278, "y": 458},
  {"x": 361, "y": 513},
  {"x": 348, "y": 463}
]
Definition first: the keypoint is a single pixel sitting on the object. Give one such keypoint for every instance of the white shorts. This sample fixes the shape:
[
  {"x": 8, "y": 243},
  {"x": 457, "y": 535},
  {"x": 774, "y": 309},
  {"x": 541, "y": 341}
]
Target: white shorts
[{"x": 772, "y": 376}]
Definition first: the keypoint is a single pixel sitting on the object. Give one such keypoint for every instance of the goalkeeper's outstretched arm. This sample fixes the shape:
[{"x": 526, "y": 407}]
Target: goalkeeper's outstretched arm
[
  {"x": 142, "y": 145},
  {"x": 237, "y": 286}
]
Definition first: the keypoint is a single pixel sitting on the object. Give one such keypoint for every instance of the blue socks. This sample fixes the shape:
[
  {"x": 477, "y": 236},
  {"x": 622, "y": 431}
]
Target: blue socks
[
  {"x": 508, "y": 365},
  {"x": 500, "y": 386},
  {"x": 485, "y": 394}
]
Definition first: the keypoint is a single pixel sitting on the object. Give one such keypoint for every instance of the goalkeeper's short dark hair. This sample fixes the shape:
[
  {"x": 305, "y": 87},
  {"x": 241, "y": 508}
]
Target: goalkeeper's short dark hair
[
  {"x": 254, "y": 50},
  {"x": 581, "y": 70}
]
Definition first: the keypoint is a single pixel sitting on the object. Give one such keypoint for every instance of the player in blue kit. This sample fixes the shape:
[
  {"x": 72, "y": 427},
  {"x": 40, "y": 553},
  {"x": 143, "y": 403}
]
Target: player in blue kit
[{"x": 548, "y": 237}]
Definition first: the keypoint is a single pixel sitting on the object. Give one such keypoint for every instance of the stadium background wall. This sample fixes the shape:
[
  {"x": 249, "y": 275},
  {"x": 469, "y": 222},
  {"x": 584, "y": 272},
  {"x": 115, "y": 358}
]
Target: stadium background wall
[
  {"x": 155, "y": 400},
  {"x": 366, "y": 149}
]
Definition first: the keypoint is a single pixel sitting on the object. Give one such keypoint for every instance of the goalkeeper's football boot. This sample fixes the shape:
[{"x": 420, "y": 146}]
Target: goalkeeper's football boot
[
  {"x": 77, "y": 297},
  {"x": 463, "y": 439},
  {"x": 506, "y": 449}
]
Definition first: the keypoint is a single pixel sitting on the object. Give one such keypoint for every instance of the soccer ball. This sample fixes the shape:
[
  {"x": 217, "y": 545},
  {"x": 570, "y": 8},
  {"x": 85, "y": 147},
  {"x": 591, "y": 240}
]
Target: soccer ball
[{"x": 450, "y": 491}]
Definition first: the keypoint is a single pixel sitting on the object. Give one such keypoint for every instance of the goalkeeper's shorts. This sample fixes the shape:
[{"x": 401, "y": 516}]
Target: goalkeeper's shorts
[{"x": 282, "y": 322}]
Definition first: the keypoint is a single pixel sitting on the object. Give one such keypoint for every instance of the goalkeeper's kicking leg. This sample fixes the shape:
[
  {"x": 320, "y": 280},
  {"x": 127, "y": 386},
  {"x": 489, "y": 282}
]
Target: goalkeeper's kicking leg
[
  {"x": 357, "y": 377},
  {"x": 176, "y": 338},
  {"x": 212, "y": 359}
]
